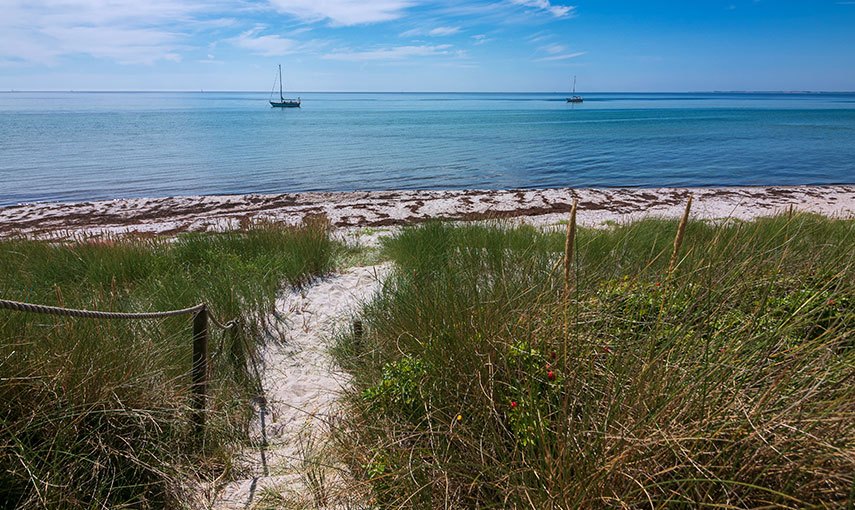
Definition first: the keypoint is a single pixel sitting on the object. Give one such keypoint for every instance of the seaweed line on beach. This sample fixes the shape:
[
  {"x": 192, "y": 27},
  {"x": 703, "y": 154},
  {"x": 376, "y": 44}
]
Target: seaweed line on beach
[{"x": 172, "y": 215}]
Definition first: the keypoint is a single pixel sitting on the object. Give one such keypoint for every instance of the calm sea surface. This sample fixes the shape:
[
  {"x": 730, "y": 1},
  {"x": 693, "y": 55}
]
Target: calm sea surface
[{"x": 85, "y": 146}]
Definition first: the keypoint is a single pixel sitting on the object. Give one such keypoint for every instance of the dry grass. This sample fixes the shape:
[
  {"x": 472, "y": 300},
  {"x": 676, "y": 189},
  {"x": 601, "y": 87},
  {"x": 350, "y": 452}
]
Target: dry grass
[
  {"x": 731, "y": 387},
  {"x": 95, "y": 413}
]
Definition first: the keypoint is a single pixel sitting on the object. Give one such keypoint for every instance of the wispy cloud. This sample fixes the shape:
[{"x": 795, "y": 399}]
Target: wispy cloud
[
  {"x": 266, "y": 45},
  {"x": 559, "y": 11},
  {"x": 479, "y": 39},
  {"x": 433, "y": 32},
  {"x": 126, "y": 31},
  {"x": 540, "y": 36},
  {"x": 124, "y": 45},
  {"x": 442, "y": 31},
  {"x": 392, "y": 53},
  {"x": 210, "y": 60},
  {"x": 553, "y": 49},
  {"x": 560, "y": 57},
  {"x": 343, "y": 12}
]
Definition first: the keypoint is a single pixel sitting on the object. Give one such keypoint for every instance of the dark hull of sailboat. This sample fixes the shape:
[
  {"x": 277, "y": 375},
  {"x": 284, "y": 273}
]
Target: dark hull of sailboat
[
  {"x": 575, "y": 99},
  {"x": 285, "y": 104}
]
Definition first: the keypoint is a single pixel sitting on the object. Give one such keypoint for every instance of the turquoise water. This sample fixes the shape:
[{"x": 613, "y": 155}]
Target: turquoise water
[{"x": 64, "y": 146}]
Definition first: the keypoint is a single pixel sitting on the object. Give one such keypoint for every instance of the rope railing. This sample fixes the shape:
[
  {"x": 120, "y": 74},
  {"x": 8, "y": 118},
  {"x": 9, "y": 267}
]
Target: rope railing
[
  {"x": 92, "y": 314},
  {"x": 200, "y": 338}
]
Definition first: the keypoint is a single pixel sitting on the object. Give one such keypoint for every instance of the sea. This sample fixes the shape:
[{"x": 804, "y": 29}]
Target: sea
[{"x": 82, "y": 146}]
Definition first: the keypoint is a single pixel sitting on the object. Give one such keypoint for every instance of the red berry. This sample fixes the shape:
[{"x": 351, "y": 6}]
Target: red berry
[
  {"x": 552, "y": 355},
  {"x": 551, "y": 375},
  {"x": 513, "y": 404},
  {"x": 606, "y": 349},
  {"x": 658, "y": 284},
  {"x": 831, "y": 301}
]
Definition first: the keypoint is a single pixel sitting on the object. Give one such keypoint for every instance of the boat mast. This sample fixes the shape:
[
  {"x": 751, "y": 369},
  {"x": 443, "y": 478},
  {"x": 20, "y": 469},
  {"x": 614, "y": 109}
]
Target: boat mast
[
  {"x": 282, "y": 99},
  {"x": 574, "y": 84}
]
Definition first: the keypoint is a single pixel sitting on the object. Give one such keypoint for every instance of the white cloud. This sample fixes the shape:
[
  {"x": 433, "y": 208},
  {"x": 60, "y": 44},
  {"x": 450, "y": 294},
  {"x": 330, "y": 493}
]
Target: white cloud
[
  {"x": 127, "y": 31},
  {"x": 553, "y": 48},
  {"x": 540, "y": 36},
  {"x": 393, "y": 53},
  {"x": 210, "y": 60},
  {"x": 560, "y": 57},
  {"x": 479, "y": 39},
  {"x": 266, "y": 45},
  {"x": 434, "y": 32},
  {"x": 442, "y": 31},
  {"x": 124, "y": 45},
  {"x": 559, "y": 11},
  {"x": 343, "y": 12}
]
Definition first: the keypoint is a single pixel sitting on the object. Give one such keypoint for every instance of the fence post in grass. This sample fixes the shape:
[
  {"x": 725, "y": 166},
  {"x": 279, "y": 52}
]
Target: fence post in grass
[
  {"x": 681, "y": 231},
  {"x": 358, "y": 332},
  {"x": 568, "y": 246},
  {"x": 200, "y": 366},
  {"x": 568, "y": 265}
]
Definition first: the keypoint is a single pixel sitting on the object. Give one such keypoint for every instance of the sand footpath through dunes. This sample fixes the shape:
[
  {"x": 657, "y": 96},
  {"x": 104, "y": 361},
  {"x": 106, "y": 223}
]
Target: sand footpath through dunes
[{"x": 302, "y": 384}]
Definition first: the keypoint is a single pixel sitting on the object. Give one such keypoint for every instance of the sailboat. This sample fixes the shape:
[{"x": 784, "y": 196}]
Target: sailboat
[
  {"x": 282, "y": 103},
  {"x": 574, "y": 98}
]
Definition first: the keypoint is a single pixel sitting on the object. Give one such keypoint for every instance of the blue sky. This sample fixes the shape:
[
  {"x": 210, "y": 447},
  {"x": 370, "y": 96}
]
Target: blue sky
[{"x": 414, "y": 45}]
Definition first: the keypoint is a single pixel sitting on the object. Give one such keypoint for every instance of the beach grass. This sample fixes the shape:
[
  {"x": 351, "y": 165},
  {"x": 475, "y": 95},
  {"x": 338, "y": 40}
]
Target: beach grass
[
  {"x": 485, "y": 380},
  {"x": 96, "y": 413}
]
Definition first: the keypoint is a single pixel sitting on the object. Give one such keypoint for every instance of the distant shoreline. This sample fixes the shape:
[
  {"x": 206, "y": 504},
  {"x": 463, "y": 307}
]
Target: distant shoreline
[
  {"x": 213, "y": 91},
  {"x": 377, "y": 209}
]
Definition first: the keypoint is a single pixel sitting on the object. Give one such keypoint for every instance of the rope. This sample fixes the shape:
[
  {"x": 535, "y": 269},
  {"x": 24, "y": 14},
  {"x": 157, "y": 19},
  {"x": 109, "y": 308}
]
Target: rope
[
  {"x": 56, "y": 310},
  {"x": 228, "y": 325}
]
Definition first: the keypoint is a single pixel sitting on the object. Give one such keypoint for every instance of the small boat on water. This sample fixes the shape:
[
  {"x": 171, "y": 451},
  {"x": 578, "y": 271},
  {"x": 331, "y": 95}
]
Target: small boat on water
[
  {"x": 574, "y": 98},
  {"x": 282, "y": 103}
]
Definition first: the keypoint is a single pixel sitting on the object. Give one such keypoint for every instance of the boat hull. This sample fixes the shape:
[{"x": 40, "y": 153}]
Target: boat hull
[
  {"x": 575, "y": 100},
  {"x": 285, "y": 104}
]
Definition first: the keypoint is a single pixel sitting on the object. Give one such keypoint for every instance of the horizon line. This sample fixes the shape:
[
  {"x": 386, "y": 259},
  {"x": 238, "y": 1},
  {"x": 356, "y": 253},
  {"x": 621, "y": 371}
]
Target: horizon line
[{"x": 203, "y": 91}]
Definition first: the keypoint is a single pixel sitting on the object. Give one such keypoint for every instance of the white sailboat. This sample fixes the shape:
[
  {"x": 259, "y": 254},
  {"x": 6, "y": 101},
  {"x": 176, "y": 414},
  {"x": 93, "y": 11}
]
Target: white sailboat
[
  {"x": 282, "y": 103},
  {"x": 574, "y": 98}
]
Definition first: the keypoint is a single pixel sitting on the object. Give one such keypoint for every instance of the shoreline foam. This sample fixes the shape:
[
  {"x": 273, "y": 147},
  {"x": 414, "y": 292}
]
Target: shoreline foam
[{"x": 172, "y": 215}]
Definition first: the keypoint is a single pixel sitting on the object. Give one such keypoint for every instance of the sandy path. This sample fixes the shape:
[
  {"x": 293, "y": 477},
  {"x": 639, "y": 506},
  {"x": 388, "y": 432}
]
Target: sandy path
[{"x": 301, "y": 387}]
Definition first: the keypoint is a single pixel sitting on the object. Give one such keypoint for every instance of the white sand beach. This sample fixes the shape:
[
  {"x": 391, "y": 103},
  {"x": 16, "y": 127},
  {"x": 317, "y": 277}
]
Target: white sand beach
[{"x": 358, "y": 210}]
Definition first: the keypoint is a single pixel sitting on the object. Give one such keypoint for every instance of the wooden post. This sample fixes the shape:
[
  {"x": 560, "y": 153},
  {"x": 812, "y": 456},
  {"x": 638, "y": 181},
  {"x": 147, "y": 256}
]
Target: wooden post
[
  {"x": 568, "y": 247},
  {"x": 681, "y": 231},
  {"x": 358, "y": 332},
  {"x": 200, "y": 367}
]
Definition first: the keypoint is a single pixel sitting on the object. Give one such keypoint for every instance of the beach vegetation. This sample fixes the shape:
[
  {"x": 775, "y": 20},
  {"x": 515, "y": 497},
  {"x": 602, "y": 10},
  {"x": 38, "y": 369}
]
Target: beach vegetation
[
  {"x": 97, "y": 413},
  {"x": 721, "y": 377}
]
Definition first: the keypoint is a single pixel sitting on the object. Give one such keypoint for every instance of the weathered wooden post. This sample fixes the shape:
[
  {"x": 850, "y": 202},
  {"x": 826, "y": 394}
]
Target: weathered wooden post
[
  {"x": 200, "y": 366},
  {"x": 358, "y": 332},
  {"x": 678, "y": 240},
  {"x": 568, "y": 248}
]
